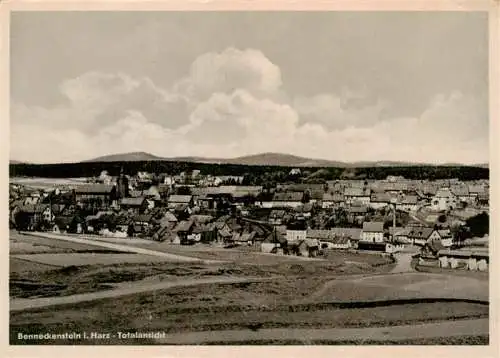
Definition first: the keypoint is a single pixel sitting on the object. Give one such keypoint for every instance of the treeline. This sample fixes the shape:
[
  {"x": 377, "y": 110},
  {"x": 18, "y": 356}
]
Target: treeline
[{"x": 253, "y": 174}]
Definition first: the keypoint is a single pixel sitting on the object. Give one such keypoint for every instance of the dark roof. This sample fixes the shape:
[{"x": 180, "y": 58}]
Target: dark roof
[
  {"x": 357, "y": 209},
  {"x": 224, "y": 233},
  {"x": 373, "y": 226},
  {"x": 435, "y": 245},
  {"x": 409, "y": 199},
  {"x": 143, "y": 218},
  {"x": 380, "y": 198},
  {"x": 202, "y": 218},
  {"x": 288, "y": 196},
  {"x": 139, "y": 201},
  {"x": 184, "y": 226},
  {"x": 420, "y": 233},
  {"x": 168, "y": 216},
  {"x": 356, "y": 192},
  {"x": 94, "y": 189},
  {"x": 34, "y": 209},
  {"x": 353, "y": 233},
  {"x": 460, "y": 190},
  {"x": 277, "y": 213},
  {"x": 184, "y": 199},
  {"x": 476, "y": 189},
  {"x": 320, "y": 234},
  {"x": 334, "y": 197}
]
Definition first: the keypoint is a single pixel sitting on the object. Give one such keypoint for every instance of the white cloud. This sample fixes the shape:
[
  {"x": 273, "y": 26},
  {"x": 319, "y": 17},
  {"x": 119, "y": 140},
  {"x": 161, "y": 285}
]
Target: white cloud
[
  {"x": 230, "y": 104},
  {"x": 229, "y": 70}
]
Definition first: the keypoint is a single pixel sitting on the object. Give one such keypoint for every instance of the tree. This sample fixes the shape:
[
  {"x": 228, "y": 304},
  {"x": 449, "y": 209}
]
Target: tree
[
  {"x": 442, "y": 218},
  {"x": 479, "y": 224},
  {"x": 184, "y": 190},
  {"x": 460, "y": 234},
  {"x": 21, "y": 220}
]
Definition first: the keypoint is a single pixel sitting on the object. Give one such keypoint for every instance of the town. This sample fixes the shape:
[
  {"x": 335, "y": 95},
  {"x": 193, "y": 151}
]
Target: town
[{"x": 444, "y": 222}]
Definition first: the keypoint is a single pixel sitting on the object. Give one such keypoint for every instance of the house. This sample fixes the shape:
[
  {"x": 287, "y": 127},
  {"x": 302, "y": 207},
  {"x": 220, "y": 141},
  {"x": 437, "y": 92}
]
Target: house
[
  {"x": 304, "y": 210},
  {"x": 202, "y": 219},
  {"x": 33, "y": 199},
  {"x": 328, "y": 239},
  {"x": 357, "y": 195},
  {"x": 354, "y": 234},
  {"x": 167, "y": 219},
  {"x": 462, "y": 193},
  {"x": 331, "y": 200},
  {"x": 373, "y": 232},
  {"x": 408, "y": 203},
  {"x": 287, "y": 199},
  {"x": 475, "y": 190},
  {"x": 63, "y": 223},
  {"x": 379, "y": 200},
  {"x": 137, "y": 205},
  {"x": 399, "y": 234},
  {"x": 100, "y": 195},
  {"x": 296, "y": 231},
  {"x": 143, "y": 220},
  {"x": 32, "y": 217},
  {"x": 245, "y": 238},
  {"x": 174, "y": 200},
  {"x": 356, "y": 213},
  {"x": 444, "y": 200},
  {"x": 276, "y": 217},
  {"x": 123, "y": 223},
  {"x": 446, "y": 238},
  {"x": 184, "y": 229},
  {"x": 421, "y": 235},
  {"x": 394, "y": 188}
]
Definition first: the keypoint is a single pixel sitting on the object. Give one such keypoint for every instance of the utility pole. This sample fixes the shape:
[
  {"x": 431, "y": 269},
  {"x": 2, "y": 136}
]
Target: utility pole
[{"x": 393, "y": 223}]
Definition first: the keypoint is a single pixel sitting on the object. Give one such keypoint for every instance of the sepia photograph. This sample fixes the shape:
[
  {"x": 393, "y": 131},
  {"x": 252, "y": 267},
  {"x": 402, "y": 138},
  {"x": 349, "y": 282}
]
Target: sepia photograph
[{"x": 249, "y": 178}]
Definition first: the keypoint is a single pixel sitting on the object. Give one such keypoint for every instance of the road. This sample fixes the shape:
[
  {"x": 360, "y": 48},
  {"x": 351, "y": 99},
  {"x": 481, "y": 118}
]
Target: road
[
  {"x": 394, "y": 333},
  {"x": 120, "y": 247},
  {"x": 403, "y": 262},
  {"x": 134, "y": 288}
]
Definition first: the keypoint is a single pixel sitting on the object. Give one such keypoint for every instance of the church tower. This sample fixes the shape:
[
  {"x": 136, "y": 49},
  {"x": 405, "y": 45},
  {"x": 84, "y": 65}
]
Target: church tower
[{"x": 122, "y": 185}]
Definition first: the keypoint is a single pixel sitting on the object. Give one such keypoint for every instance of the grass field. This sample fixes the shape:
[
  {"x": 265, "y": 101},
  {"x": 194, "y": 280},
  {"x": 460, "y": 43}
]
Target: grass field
[
  {"x": 155, "y": 312},
  {"x": 342, "y": 276},
  {"x": 84, "y": 259}
]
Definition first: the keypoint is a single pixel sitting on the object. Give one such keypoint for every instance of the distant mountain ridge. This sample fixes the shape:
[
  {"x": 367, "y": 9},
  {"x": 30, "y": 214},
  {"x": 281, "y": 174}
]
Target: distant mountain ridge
[{"x": 271, "y": 159}]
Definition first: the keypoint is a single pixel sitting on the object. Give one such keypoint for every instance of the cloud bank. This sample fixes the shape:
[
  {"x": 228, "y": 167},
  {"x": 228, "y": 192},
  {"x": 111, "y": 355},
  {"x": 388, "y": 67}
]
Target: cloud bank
[{"x": 232, "y": 103}]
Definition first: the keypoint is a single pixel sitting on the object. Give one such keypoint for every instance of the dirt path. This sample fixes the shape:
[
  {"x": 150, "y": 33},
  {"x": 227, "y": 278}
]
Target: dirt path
[
  {"x": 427, "y": 330},
  {"x": 134, "y": 288},
  {"x": 121, "y": 247},
  {"x": 403, "y": 263}
]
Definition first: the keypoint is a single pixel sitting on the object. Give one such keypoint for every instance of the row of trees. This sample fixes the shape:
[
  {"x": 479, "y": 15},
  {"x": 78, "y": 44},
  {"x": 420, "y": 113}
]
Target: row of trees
[{"x": 253, "y": 174}]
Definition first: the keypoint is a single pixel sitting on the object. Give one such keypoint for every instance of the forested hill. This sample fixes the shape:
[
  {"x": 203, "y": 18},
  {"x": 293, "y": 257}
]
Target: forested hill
[{"x": 256, "y": 173}]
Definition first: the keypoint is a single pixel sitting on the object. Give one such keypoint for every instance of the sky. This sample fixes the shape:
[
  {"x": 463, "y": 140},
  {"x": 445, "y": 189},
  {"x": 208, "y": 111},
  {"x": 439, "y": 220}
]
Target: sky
[{"x": 347, "y": 86}]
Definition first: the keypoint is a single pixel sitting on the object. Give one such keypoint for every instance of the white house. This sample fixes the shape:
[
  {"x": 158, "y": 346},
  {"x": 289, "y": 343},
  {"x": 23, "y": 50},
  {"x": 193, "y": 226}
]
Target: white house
[
  {"x": 287, "y": 199},
  {"x": 444, "y": 200},
  {"x": 408, "y": 203},
  {"x": 373, "y": 231},
  {"x": 357, "y": 195},
  {"x": 295, "y": 235},
  {"x": 379, "y": 200},
  {"x": 421, "y": 235},
  {"x": 330, "y": 200}
]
